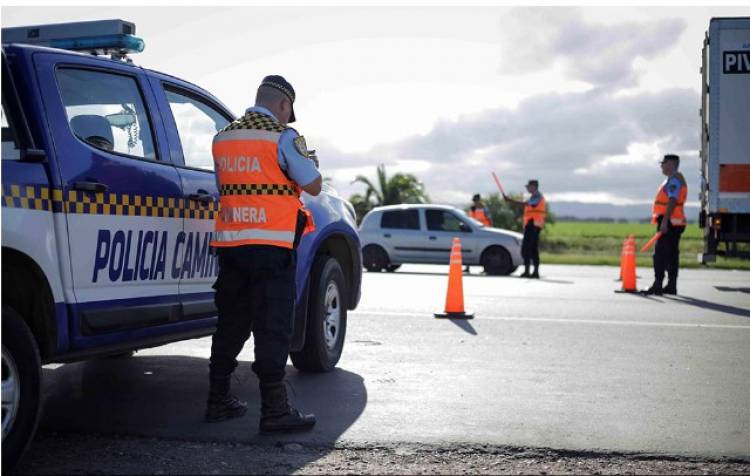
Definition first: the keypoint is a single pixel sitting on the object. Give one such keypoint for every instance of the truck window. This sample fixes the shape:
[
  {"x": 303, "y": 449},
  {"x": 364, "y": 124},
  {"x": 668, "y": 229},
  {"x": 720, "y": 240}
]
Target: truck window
[
  {"x": 10, "y": 145},
  {"x": 197, "y": 123},
  {"x": 106, "y": 111},
  {"x": 400, "y": 219}
]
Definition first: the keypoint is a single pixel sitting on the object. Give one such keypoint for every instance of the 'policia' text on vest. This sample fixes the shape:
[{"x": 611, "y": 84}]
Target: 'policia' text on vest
[{"x": 238, "y": 164}]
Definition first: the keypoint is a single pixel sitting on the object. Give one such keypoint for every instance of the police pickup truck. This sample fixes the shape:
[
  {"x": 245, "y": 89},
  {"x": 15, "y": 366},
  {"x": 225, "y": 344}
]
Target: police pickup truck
[{"x": 108, "y": 201}]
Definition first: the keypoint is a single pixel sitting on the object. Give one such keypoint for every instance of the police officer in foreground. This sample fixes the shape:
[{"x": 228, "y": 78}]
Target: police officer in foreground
[
  {"x": 481, "y": 213},
  {"x": 668, "y": 214},
  {"x": 534, "y": 213},
  {"x": 261, "y": 167}
]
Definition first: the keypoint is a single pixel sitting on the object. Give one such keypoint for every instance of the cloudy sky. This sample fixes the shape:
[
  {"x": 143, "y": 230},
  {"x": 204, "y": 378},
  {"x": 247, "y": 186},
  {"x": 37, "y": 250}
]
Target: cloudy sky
[{"x": 584, "y": 99}]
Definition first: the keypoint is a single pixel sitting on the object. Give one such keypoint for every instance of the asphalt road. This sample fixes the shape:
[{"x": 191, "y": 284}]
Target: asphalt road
[{"x": 563, "y": 363}]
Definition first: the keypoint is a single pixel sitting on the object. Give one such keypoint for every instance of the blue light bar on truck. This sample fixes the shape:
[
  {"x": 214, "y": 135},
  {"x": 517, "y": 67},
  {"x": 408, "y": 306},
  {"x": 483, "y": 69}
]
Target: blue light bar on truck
[
  {"x": 129, "y": 43},
  {"x": 101, "y": 36}
]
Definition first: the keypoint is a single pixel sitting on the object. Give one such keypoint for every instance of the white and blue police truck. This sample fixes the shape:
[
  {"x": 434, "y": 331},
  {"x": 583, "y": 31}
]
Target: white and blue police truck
[{"x": 108, "y": 205}]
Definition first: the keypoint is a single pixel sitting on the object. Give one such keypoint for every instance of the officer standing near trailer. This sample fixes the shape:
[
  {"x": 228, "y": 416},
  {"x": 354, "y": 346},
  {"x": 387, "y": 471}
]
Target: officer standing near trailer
[
  {"x": 534, "y": 213},
  {"x": 261, "y": 167},
  {"x": 668, "y": 214}
]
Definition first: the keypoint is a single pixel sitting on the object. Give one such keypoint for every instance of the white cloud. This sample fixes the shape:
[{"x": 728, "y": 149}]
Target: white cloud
[
  {"x": 592, "y": 146},
  {"x": 599, "y": 54}
]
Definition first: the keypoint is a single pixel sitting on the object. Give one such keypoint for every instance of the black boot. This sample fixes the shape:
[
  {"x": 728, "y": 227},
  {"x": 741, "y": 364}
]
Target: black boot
[
  {"x": 221, "y": 404},
  {"x": 671, "y": 287},
  {"x": 276, "y": 416},
  {"x": 525, "y": 273},
  {"x": 655, "y": 290},
  {"x": 535, "y": 274}
]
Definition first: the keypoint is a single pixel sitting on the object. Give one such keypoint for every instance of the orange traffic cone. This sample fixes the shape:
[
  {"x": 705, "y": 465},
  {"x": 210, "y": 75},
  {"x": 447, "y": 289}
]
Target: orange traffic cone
[
  {"x": 622, "y": 254},
  {"x": 454, "y": 300},
  {"x": 628, "y": 266}
]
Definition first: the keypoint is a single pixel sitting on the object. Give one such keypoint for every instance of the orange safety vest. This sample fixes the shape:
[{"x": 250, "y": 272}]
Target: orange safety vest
[
  {"x": 662, "y": 200},
  {"x": 478, "y": 214},
  {"x": 258, "y": 203},
  {"x": 536, "y": 213}
]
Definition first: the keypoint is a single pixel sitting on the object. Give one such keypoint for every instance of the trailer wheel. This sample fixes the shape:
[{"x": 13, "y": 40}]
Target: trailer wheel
[{"x": 21, "y": 386}]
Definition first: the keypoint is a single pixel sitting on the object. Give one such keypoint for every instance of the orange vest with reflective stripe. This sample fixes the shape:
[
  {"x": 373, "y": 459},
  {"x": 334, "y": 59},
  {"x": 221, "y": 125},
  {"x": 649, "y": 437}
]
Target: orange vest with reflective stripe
[
  {"x": 478, "y": 214},
  {"x": 662, "y": 200},
  {"x": 536, "y": 213},
  {"x": 258, "y": 203}
]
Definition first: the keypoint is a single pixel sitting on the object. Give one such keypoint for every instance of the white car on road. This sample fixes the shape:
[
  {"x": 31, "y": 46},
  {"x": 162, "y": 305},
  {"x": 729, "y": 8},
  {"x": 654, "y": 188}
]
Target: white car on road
[{"x": 423, "y": 233}]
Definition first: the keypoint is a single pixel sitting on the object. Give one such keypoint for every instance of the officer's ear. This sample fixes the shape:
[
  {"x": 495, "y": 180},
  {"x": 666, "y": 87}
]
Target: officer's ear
[{"x": 286, "y": 107}]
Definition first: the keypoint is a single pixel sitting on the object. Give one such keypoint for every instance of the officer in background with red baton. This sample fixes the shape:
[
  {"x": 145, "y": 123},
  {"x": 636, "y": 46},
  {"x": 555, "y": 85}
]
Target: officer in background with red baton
[
  {"x": 534, "y": 213},
  {"x": 668, "y": 214}
]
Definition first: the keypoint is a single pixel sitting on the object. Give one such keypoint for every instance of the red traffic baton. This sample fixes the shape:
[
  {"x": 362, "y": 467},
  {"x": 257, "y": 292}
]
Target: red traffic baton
[
  {"x": 651, "y": 242},
  {"x": 497, "y": 181}
]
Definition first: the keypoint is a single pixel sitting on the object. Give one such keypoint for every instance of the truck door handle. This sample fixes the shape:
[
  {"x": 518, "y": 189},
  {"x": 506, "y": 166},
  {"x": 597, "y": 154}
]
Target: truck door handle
[
  {"x": 202, "y": 196},
  {"x": 433, "y": 237},
  {"x": 96, "y": 187},
  {"x": 387, "y": 235}
]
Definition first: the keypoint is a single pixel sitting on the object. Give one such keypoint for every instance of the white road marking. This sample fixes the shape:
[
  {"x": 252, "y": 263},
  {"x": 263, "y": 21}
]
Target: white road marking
[{"x": 566, "y": 321}]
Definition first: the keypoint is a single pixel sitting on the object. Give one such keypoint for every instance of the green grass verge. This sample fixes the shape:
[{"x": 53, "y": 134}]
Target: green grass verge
[{"x": 600, "y": 244}]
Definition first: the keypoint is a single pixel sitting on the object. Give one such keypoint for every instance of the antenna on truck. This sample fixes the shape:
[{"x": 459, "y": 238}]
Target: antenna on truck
[{"x": 115, "y": 38}]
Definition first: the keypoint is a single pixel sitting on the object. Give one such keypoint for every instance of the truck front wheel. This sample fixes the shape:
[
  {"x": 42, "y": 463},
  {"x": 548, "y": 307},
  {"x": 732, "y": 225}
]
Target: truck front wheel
[
  {"x": 21, "y": 385},
  {"x": 326, "y": 318}
]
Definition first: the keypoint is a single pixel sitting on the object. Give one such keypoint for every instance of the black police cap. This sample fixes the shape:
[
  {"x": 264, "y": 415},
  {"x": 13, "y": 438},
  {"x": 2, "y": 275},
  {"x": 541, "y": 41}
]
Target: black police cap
[{"x": 278, "y": 82}]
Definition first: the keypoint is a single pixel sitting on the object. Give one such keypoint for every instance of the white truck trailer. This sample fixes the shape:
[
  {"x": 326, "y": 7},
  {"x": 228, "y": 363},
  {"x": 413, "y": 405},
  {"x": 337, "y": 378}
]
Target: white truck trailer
[{"x": 725, "y": 139}]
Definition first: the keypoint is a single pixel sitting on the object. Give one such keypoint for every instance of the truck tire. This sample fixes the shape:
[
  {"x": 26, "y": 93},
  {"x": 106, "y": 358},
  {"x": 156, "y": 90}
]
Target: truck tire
[
  {"x": 21, "y": 386},
  {"x": 326, "y": 318},
  {"x": 497, "y": 262},
  {"x": 375, "y": 258}
]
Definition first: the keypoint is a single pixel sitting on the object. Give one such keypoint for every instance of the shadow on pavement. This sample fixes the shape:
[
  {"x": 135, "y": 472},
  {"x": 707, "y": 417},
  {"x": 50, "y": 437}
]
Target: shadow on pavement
[
  {"x": 713, "y": 306},
  {"x": 164, "y": 397},
  {"x": 464, "y": 325},
  {"x": 732, "y": 290},
  {"x": 639, "y": 294},
  {"x": 555, "y": 281}
]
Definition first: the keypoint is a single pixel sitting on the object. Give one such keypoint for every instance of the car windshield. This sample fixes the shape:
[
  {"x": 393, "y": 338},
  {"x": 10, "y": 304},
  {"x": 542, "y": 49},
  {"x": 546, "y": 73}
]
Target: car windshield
[{"x": 473, "y": 221}]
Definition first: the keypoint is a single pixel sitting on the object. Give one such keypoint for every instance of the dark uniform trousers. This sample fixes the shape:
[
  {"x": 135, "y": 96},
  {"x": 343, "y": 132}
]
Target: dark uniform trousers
[
  {"x": 255, "y": 291},
  {"x": 667, "y": 252},
  {"x": 530, "y": 244}
]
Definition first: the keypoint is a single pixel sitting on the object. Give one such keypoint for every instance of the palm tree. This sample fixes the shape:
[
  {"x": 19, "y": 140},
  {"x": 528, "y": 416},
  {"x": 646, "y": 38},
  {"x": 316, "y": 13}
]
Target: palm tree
[{"x": 401, "y": 188}]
